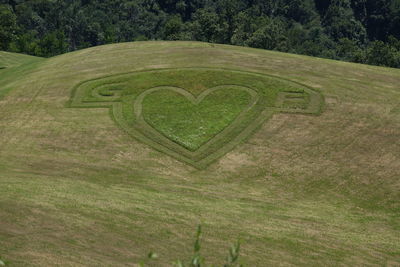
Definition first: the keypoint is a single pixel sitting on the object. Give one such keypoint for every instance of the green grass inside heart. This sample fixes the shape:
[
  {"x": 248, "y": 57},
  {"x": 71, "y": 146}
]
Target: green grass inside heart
[{"x": 193, "y": 124}]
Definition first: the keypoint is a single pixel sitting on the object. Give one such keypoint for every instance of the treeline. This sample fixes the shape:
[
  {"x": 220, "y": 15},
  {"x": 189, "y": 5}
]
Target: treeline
[{"x": 364, "y": 31}]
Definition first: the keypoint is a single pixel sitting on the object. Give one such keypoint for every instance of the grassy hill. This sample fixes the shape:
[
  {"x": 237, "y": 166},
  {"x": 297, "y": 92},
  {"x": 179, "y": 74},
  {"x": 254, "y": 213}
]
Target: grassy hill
[{"x": 81, "y": 187}]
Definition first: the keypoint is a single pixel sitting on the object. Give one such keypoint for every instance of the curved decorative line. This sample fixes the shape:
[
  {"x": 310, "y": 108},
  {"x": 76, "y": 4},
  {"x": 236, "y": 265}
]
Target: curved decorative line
[
  {"x": 138, "y": 108},
  {"x": 205, "y": 155},
  {"x": 114, "y": 94},
  {"x": 74, "y": 89},
  {"x": 194, "y": 100}
]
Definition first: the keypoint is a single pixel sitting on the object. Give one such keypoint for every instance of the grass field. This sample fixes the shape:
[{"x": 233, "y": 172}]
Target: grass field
[{"x": 79, "y": 188}]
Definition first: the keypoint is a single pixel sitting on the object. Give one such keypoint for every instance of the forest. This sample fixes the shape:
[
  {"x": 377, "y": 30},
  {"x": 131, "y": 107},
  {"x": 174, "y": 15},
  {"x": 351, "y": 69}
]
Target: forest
[{"x": 362, "y": 31}]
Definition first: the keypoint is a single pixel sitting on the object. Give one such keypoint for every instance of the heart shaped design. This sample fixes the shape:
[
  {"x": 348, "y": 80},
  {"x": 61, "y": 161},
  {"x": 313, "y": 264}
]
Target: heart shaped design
[
  {"x": 193, "y": 121},
  {"x": 195, "y": 115}
]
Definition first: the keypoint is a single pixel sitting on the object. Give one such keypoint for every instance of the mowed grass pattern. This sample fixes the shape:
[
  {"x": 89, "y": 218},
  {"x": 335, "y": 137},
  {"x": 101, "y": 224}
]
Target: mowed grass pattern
[
  {"x": 193, "y": 124},
  {"x": 124, "y": 94},
  {"x": 75, "y": 190}
]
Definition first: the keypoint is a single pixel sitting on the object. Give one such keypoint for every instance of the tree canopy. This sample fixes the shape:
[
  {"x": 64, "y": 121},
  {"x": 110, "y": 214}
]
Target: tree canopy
[{"x": 364, "y": 31}]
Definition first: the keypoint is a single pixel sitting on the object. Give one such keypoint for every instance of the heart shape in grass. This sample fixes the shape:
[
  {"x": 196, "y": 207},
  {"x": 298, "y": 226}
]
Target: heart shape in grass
[
  {"x": 192, "y": 121},
  {"x": 201, "y": 114}
]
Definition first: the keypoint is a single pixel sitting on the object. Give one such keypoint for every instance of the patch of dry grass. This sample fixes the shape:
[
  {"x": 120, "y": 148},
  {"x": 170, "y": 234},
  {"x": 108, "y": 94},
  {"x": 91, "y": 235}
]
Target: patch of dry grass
[{"x": 75, "y": 190}]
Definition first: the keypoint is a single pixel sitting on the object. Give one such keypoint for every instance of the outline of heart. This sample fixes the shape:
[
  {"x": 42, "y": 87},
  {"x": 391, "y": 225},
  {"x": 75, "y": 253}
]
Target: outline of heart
[
  {"x": 138, "y": 109},
  {"x": 198, "y": 160}
]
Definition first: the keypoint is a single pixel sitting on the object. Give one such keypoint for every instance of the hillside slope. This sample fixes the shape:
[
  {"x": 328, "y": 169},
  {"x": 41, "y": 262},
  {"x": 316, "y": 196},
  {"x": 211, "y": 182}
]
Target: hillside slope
[
  {"x": 304, "y": 190},
  {"x": 12, "y": 66}
]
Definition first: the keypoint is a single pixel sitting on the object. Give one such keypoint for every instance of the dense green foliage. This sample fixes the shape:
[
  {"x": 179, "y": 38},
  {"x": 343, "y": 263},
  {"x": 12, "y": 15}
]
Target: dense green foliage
[{"x": 365, "y": 31}]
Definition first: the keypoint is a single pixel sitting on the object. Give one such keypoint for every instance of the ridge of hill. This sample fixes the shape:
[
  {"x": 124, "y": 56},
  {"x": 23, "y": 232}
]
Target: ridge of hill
[
  {"x": 13, "y": 65},
  {"x": 8, "y": 59},
  {"x": 300, "y": 190}
]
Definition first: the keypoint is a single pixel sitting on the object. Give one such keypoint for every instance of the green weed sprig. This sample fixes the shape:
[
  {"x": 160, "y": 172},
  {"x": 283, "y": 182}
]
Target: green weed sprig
[{"x": 198, "y": 260}]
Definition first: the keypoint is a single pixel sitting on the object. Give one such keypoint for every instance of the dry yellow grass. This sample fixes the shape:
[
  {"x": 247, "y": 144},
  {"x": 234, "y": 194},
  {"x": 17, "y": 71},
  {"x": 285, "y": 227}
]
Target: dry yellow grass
[{"x": 75, "y": 190}]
